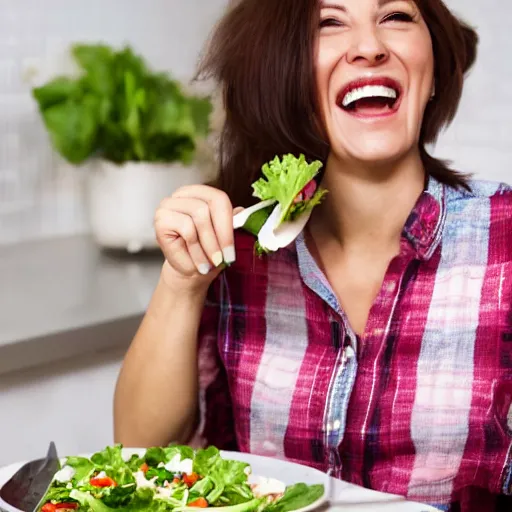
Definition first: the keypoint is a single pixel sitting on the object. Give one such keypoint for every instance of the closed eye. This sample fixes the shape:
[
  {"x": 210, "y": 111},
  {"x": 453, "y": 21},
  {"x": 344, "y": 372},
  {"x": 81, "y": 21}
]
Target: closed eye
[
  {"x": 330, "y": 22},
  {"x": 398, "y": 16}
]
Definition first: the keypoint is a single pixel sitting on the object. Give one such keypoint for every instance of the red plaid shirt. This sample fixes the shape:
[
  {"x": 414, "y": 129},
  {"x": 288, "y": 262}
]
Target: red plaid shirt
[{"x": 420, "y": 406}]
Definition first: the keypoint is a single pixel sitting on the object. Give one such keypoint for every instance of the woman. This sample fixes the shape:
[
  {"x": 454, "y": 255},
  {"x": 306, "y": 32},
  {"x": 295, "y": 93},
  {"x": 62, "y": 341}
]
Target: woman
[{"x": 378, "y": 345}]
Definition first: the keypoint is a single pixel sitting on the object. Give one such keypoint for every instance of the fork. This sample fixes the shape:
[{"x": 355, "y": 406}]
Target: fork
[{"x": 28, "y": 486}]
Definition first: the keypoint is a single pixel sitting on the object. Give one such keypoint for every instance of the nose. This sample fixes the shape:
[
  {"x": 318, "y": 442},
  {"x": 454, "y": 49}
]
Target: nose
[{"x": 367, "y": 47}]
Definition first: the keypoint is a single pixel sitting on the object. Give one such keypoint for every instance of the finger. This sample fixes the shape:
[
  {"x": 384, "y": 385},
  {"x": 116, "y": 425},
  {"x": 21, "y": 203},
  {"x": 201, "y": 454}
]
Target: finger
[
  {"x": 172, "y": 226},
  {"x": 179, "y": 258},
  {"x": 200, "y": 213},
  {"x": 221, "y": 212}
]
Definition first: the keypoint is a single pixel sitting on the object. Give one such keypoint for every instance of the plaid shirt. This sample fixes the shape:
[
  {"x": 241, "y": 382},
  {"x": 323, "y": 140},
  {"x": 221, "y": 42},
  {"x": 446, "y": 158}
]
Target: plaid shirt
[{"x": 420, "y": 406}]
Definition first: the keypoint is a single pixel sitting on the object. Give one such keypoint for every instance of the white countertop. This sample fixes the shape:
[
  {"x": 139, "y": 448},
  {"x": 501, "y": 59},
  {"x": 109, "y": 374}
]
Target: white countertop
[{"x": 63, "y": 297}]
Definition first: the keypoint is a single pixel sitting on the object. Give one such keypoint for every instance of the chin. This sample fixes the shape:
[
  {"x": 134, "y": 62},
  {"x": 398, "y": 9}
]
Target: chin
[{"x": 372, "y": 153}]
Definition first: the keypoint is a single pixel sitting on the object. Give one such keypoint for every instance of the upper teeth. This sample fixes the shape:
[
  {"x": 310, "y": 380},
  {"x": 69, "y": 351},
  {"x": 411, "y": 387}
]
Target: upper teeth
[{"x": 368, "y": 91}]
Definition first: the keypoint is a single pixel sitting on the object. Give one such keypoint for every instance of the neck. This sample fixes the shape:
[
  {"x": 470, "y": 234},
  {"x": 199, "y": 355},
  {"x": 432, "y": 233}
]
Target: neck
[{"x": 367, "y": 206}]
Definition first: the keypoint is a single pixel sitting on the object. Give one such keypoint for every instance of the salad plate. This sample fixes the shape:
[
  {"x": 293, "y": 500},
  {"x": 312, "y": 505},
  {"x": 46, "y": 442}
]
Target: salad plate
[{"x": 337, "y": 496}]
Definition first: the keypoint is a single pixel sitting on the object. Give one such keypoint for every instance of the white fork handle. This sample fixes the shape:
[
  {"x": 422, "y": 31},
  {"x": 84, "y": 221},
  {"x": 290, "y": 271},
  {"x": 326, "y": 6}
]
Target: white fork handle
[{"x": 241, "y": 218}]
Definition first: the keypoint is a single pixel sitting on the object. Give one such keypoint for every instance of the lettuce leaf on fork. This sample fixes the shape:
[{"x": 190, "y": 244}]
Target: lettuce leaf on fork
[
  {"x": 284, "y": 180},
  {"x": 288, "y": 193}
]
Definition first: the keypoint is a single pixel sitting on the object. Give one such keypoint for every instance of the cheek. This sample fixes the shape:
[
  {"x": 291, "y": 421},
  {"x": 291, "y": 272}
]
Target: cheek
[
  {"x": 420, "y": 56},
  {"x": 327, "y": 57}
]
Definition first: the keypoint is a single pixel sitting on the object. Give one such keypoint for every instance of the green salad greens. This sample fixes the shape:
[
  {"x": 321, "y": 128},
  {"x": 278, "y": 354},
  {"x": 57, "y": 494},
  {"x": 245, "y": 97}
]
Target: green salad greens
[
  {"x": 288, "y": 191},
  {"x": 175, "y": 478},
  {"x": 290, "y": 181}
]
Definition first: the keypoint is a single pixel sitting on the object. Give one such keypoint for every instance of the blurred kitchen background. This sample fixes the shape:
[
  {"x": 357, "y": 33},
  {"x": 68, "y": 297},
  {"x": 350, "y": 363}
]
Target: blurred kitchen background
[{"x": 68, "y": 310}]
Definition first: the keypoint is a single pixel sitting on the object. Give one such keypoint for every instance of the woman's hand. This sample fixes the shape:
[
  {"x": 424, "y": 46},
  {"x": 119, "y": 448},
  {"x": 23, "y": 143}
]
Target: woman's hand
[{"x": 194, "y": 228}]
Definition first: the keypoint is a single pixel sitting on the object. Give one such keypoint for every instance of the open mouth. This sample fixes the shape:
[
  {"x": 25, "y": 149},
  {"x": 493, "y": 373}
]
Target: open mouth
[{"x": 375, "y": 97}]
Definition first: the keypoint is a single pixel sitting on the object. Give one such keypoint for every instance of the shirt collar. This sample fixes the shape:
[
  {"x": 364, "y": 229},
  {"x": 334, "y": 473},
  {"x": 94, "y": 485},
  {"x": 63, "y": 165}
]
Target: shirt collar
[
  {"x": 422, "y": 231},
  {"x": 424, "y": 227}
]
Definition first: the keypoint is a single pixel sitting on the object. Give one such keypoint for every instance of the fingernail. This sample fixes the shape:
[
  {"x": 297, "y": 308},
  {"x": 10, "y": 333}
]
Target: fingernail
[
  {"x": 217, "y": 258},
  {"x": 204, "y": 269},
  {"x": 229, "y": 254}
]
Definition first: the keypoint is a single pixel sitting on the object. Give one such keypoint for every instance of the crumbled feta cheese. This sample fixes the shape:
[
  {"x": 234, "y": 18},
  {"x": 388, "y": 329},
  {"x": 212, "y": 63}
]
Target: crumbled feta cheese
[
  {"x": 175, "y": 465},
  {"x": 142, "y": 481},
  {"x": 186, "y": 466},
  {"x": 268, "y": 486},
  {"x": 64, "y": 475},
  {"x": 164, "y": 492}
]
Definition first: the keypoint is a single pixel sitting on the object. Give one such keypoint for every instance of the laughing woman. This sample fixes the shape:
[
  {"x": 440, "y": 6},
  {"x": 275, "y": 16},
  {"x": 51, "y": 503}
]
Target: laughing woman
[{"x": 377, "y": 345}]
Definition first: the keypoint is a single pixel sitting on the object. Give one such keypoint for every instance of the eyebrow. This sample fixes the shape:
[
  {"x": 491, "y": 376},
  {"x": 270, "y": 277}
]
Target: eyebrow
[{"x": 342, "y": 8}]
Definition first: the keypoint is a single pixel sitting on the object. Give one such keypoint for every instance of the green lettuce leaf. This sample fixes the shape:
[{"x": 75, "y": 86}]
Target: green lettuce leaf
[
  {"x": 135, "y": 462},
  {"x": 88, "y": 501},
  {"x": 161, "y": 474},
  {"x": 111, "y": 456},
  {"x": 284, "y": 179},
  {"x": 143, "y": 500},
  {"x": 201, "y": 488},
  {"x": 185, "y": 452},
  {"x": 58, "y": 493},
  {"x": 205, "y": 459},
  {"x": 297, "y": 496},
  {"x": 83, "y": 467},
  {"x": 226, "y": 475},
  {"x": 155, "y": 456}
]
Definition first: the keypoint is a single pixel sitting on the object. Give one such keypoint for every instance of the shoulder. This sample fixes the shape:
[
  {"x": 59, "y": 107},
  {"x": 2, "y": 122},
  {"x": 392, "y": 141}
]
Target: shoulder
[
  {"x": 484, "y": 199},
  {"x": 481, "y": 191},
  {"x": 479, "y": 221}
]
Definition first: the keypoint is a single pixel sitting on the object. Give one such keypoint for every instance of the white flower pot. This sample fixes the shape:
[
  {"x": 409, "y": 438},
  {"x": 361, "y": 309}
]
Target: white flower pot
[{"x": 122, "y": 200}]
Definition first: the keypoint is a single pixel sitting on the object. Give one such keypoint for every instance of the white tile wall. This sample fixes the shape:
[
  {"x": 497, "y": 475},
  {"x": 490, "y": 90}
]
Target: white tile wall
[
  {"x": 39, "y": 196},
  {"x": 480, "y": 139}
]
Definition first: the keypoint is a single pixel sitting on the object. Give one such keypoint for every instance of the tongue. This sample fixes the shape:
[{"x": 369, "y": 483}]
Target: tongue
[{"x": 372, "y": 105}]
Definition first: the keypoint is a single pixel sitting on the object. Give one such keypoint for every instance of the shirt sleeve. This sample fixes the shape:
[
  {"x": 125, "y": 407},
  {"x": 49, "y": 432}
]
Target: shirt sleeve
[{"x": 215, "y": 425}]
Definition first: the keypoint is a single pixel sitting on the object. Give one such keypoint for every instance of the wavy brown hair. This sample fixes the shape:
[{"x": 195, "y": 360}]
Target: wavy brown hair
[{"x": 261, "y": 55}]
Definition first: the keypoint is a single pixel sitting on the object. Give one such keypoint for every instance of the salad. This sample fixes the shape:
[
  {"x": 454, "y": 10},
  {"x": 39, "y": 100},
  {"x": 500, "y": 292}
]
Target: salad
[
  {"x": 176, "y": 478},
  {"x": 288, "y": 192}
]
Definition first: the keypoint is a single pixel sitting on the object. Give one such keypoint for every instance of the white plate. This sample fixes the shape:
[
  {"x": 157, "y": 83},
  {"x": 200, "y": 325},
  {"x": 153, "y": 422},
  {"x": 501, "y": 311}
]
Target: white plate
[{"x": 344, "y": 497}]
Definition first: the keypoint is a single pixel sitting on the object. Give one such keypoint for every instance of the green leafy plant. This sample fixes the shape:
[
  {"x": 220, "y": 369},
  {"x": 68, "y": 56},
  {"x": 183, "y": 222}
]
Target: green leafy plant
[{"x": 120, "y": 110}]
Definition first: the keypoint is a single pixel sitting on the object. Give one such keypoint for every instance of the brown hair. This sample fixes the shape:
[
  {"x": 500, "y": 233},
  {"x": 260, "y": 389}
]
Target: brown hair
[{"x": 262, "y": 56}]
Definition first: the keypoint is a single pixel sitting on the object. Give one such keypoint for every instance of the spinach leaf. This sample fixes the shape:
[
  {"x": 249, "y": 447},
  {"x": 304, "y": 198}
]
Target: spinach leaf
[{"x": 297, "y": 496}]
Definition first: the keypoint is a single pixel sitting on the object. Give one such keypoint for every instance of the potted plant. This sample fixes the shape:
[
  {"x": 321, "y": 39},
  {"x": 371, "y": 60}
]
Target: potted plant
[{"x": 138, "y": 130}]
